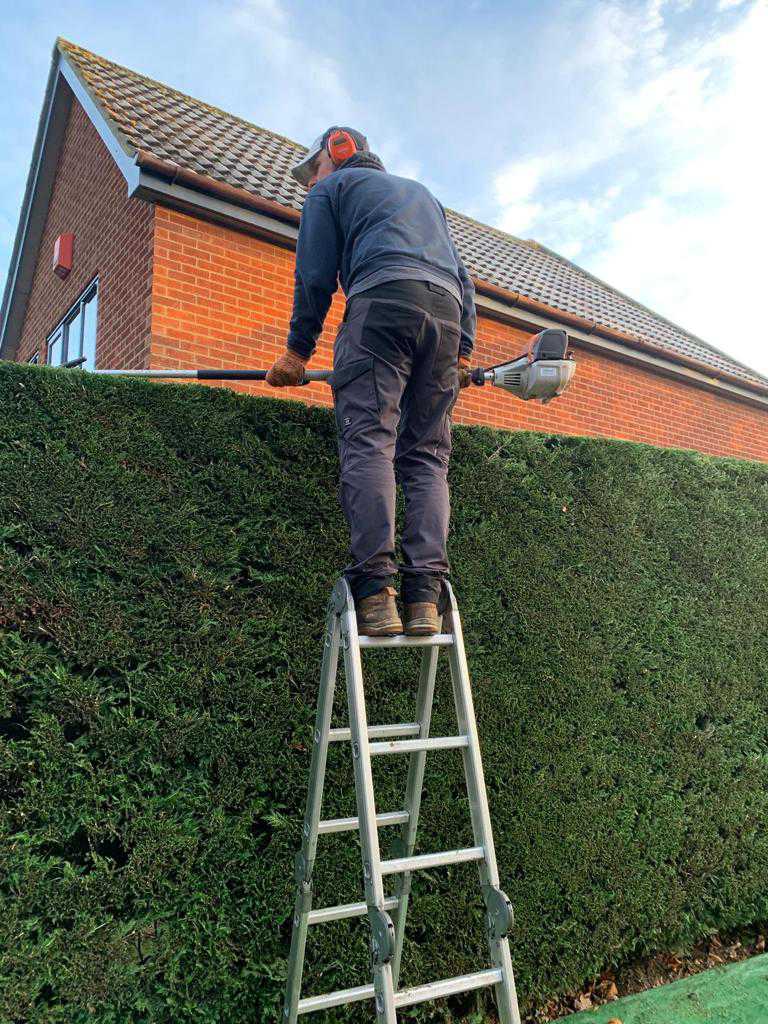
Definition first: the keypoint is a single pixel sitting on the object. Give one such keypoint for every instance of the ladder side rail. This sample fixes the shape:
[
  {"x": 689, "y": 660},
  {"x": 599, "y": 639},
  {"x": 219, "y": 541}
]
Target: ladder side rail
[
  {"x": 506, "y": 996},
  {"x": 413, "y": 788},
  {"x": 473, "y": 766},
  {"x": 306, "y": 858},
  {"x": 366, "y": 808}
]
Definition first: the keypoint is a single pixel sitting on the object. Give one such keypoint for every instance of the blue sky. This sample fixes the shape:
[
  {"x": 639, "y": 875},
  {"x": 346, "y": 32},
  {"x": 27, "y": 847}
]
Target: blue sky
[{"x": 628, "y": 135}]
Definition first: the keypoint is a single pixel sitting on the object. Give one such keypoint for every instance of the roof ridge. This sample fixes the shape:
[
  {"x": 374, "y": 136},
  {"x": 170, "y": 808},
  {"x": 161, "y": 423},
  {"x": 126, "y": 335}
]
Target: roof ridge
[
  {"x": 71, "y": 48},
  {"x": 641, "y": 305}
]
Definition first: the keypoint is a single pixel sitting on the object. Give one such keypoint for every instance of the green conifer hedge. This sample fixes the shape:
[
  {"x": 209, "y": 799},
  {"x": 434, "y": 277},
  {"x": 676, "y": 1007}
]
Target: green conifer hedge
[{"x": 166, "y": 554}]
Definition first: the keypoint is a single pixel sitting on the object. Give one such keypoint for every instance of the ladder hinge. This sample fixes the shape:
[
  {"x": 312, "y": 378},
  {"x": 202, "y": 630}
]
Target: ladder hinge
[
  {"x": 382, "y": 936},
  {"x": 500, "y": 916}
]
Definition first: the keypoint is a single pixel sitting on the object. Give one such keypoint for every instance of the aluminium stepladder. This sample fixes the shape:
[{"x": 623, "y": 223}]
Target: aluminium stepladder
[{"x": 369, "y": 741}]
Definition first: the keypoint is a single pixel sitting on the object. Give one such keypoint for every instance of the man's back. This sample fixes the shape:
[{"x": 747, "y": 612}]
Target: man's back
[
  {"x": 387, "y": 222},
  {"x": 364, "y": 227}
]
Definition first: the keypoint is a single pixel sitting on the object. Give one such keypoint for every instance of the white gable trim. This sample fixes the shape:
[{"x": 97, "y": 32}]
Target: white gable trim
[
  {"x": 34, "y": 210},
  {"x": 63, "y": 84},
  {"x": 108, "y": 131}
]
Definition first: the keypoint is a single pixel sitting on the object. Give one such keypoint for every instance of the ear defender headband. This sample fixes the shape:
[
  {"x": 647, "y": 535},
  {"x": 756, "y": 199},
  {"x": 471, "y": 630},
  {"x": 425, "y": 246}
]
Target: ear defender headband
[{"x": 341, "y": 146}]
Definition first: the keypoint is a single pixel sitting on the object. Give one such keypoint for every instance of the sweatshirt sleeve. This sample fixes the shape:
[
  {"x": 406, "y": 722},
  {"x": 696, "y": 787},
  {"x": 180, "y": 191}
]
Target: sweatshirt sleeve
[
  {"x": 468, "y": 311},
  {"x": 317, "y": 271}
]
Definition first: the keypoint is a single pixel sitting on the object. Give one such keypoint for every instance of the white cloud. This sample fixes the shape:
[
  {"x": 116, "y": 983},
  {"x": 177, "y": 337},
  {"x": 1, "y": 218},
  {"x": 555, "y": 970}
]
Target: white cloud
[
  {"x": 682, "y": 226},
  {"x": 292, "y": 86},
  {"x": 696, "y": 250},
  {"x": 278, "y": 77},
  {"x": 514, "y": 189},
  {"x": 397, "y": 158}
]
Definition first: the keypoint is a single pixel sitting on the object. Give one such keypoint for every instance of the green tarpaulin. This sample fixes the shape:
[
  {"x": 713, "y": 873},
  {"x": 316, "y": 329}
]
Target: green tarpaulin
[{"x": 734, "y": 994}]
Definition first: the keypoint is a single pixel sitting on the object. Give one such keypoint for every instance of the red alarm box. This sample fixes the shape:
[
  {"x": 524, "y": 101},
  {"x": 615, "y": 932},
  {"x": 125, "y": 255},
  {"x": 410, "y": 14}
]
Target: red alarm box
[{"x": 62, "y": 254}]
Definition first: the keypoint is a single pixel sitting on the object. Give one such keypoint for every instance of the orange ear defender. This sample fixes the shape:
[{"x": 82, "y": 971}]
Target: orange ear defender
[{"x": 341, "y": 146}]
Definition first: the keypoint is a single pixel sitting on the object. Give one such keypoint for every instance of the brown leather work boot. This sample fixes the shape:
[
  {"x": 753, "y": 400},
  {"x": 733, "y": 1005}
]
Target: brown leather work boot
[
  {"x": 377, "y": 615},
  {"x": 422, "y": 619}
]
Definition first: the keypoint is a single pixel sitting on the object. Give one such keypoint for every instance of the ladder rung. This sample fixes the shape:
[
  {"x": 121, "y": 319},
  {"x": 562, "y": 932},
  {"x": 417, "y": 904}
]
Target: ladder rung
[
  {"x": 376, "y": 732},
  {"x": 431, "y": 860},
  {"x": 449, "y": 987},
  {"x": 340, "y": 998},
  {"x": 348, "y": 824},
  {"x": 435, "y": 640},
  {"x": 347, "y": 910},
  {"x": 407, "y": 996},
  {"x": 408, "y": 746}
]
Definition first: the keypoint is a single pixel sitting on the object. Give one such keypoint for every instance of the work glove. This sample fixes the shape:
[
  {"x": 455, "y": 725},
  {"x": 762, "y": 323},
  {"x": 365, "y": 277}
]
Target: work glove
[
  {"x": 464, "y": 372},
  {"x": 287, "y": 370}
]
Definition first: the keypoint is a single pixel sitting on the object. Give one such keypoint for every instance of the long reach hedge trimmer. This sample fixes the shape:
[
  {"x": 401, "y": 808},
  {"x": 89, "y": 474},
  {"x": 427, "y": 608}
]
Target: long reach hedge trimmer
[{"x": 543, "y": 371}]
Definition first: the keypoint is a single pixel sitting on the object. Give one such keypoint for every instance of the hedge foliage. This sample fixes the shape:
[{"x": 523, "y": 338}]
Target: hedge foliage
[{"x": 166, "y": 553}]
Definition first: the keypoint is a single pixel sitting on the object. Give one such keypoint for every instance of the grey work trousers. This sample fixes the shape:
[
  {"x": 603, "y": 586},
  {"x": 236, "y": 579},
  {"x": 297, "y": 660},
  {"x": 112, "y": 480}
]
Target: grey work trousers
[{"x": 395, "y": 382}]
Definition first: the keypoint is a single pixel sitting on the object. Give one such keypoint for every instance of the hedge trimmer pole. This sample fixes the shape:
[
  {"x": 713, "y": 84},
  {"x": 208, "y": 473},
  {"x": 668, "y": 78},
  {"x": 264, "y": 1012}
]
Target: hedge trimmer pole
[{"x": 544, "y": 371}]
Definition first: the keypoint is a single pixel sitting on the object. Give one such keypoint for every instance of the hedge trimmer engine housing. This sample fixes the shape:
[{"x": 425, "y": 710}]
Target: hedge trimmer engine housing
[{"x": 544, "y": 371}]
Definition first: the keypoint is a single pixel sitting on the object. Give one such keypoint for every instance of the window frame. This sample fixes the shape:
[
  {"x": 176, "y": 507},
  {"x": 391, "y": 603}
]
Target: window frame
[{"x": 74, "y": 313}]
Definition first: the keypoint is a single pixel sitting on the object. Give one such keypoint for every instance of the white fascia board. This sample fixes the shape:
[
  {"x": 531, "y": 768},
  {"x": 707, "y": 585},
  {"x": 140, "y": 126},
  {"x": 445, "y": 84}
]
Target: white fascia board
[
  {"x": 34, "y": 210},
  {"x": 150, "y": 187},
  {"x": 501, "y": 311},
  {"x": 109, "y": 133}
]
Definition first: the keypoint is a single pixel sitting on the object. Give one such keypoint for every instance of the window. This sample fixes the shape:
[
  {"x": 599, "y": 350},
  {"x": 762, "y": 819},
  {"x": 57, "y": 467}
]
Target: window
[
  {"x": 75, "y": 336},
  {"x": 35, "y": 358}
]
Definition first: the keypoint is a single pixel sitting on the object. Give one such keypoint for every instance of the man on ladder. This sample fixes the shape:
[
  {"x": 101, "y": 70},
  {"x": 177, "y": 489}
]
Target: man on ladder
[{"x": 400, "y": 356}]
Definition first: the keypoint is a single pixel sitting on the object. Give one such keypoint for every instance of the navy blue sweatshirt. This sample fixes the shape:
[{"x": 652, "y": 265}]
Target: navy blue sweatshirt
[{"x": 363, "y": 226}]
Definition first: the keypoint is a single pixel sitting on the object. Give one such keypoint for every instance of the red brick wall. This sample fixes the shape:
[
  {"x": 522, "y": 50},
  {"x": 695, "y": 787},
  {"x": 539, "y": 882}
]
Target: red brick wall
[
  {"x": 113, "y": 239},
  {"x": 223, "y": 298}
]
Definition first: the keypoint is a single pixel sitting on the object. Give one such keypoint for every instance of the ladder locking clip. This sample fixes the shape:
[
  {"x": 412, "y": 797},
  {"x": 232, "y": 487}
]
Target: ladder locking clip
[
  {"x": 338, "y": 599},
  {"x": 303, "y": 869},
  {"x": 382, "y": 936},
  {"x": 500, "y": 915}
]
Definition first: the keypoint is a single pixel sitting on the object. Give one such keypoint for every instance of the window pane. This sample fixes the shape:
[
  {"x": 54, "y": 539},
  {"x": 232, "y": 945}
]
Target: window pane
[
  {"x": 74, "y": 329},
  {"x": 55, "y": 349},
  {"x": 89, "y": 332}
]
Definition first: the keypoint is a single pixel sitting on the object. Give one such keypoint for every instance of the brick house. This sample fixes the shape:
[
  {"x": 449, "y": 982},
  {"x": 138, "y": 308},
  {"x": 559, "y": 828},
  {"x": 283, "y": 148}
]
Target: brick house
[{"x": 184, "y": 220}]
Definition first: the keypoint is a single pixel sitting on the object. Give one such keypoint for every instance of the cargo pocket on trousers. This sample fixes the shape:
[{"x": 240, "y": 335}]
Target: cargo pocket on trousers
[
  {"x": 445, "y": 442},
  {"x": 355, "y": 398}
]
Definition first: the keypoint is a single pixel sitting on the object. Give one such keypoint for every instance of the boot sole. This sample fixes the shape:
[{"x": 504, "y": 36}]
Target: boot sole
[
  {"x": 421, "y": 627},
  {"x": 392, "y": 628}
]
